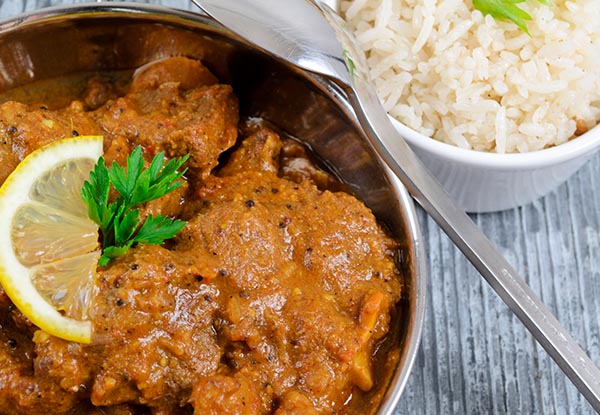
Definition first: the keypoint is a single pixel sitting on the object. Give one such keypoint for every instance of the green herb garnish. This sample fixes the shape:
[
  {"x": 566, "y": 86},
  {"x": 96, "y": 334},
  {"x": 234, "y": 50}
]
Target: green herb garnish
[
  {"x": 349, "y": 63},
  {"x": 119, "y": 221},
  {"x": 506, "y": 10}
]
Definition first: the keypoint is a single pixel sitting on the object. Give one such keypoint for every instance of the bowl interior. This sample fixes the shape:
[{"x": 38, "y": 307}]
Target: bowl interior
[{"x": 85, "y": 39}]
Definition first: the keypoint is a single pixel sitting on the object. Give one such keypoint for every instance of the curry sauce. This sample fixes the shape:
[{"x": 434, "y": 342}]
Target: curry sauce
[{"x": 274, "y": 299}]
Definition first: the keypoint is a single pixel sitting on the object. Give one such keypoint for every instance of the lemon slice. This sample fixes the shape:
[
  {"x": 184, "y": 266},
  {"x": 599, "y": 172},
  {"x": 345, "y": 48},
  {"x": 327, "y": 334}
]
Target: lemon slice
[{"x": 49, "y": 247}]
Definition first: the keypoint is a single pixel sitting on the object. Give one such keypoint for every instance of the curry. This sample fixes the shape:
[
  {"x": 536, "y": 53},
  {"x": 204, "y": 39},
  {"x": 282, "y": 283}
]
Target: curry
[{"x": 276, "y": 298}]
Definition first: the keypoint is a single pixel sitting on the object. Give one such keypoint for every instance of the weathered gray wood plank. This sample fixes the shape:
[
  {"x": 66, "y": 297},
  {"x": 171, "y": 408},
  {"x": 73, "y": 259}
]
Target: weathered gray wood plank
[
  {"x": 486, "y": 362},
  {"x": 475, "y": 357}
]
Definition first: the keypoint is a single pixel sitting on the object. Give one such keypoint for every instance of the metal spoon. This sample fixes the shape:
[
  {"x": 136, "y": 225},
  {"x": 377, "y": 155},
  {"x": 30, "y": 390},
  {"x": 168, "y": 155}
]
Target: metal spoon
[{"x": 312, "y": 36}]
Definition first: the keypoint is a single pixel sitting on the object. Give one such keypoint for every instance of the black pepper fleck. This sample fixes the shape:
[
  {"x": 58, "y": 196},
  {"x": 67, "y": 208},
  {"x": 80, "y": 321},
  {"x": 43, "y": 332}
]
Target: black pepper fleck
[
  {"x": 284, "y": 222},
  {"x": 249, "y": 203},
  {"x": 120, "y": 303},
  {"x": 75, "y": 133},
  {"x": 12, "y": 129},
  {"x": 12, "y": 343}
]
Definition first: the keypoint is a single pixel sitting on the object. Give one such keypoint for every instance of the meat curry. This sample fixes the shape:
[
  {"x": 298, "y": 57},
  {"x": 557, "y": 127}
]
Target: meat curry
[{"x": 276, "y": 298}]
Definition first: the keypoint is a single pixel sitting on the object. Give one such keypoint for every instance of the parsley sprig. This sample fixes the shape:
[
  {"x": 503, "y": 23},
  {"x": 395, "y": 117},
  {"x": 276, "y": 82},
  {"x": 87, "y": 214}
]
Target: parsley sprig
[
  {"x": 119, "y": 220},
  {"x": 507, "y": 10}
]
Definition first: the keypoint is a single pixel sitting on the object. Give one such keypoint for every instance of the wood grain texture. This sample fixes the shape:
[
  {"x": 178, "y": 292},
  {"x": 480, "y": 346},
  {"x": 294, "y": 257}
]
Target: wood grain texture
[{"x": 475, "y": 356}]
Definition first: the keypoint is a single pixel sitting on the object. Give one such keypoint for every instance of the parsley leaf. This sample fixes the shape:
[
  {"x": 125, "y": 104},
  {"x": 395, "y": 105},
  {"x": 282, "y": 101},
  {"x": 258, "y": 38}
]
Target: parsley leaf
[
  {"x": 507, "y": 10},
  {"x": 119, "y": 221},
  {"x": 153, "y": 229}
]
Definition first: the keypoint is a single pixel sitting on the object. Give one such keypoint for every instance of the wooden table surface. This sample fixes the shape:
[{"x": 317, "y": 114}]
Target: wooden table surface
[{"x": 475, "y": 356}]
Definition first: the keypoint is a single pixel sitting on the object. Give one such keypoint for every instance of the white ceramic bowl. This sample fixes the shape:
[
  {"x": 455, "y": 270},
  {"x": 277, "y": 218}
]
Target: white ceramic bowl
[{"x": 487, "y": 182}]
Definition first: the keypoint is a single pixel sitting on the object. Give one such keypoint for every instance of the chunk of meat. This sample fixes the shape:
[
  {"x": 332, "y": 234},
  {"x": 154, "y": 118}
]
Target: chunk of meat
[
  {"x": 296, "y": 165},
  {"x": 24, "y": 129},
  {"x": 218, "y": 394},
  {"x": 187, "y": 73},
  {"x": 25, "y": 388},
  {"x": 153, "y": 327},
  {"x": 61, "y": 362},
  {"x": 117, "y": 151},
  {"x": 201, "y": 122},
  {"x": 97, "y": 92},
  {"x": 175, "y": 106},
  {"x": 259, "y": 152}
]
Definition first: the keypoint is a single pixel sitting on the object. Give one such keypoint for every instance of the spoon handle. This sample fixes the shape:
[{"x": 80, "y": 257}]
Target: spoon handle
[{"x": 503, "y": 278}]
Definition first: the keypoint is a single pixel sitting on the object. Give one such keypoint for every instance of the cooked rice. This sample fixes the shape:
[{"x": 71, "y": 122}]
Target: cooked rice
[{"x": 449, "y": 72}]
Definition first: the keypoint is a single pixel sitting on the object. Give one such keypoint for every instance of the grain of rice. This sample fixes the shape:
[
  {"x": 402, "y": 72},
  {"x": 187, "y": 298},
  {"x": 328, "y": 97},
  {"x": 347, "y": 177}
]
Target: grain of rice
[{"x": 447, "y": 71}]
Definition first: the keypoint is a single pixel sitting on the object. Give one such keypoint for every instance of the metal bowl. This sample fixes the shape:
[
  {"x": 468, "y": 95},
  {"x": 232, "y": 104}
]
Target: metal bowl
[{"x": 65, "y": 41}]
